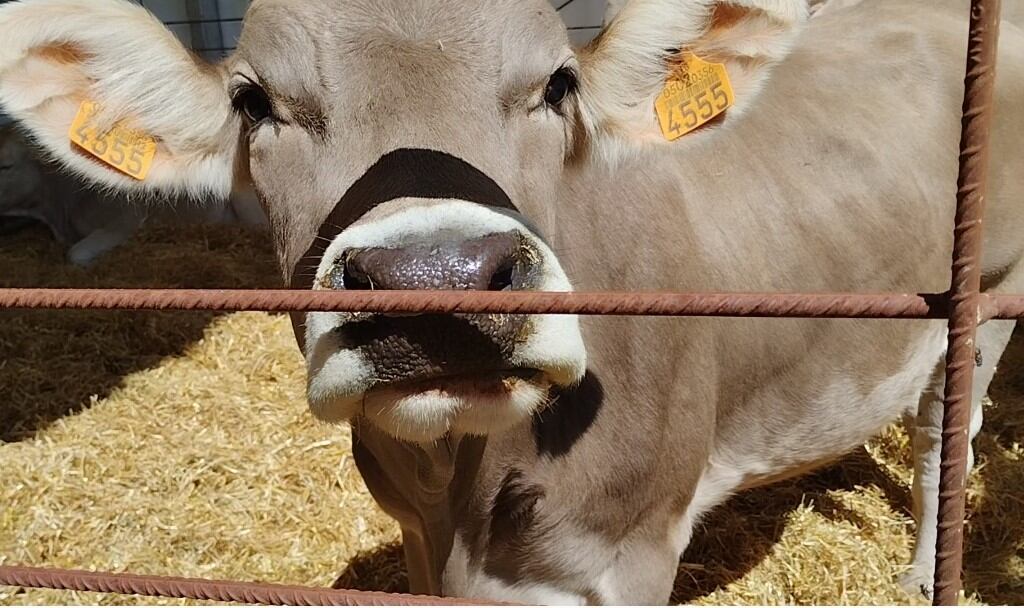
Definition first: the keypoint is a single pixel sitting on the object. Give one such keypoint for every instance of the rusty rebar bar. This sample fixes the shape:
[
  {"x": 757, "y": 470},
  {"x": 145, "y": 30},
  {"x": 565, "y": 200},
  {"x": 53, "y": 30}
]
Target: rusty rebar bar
[
  {"x": 217, "y": 591},
  {"x": 794, "y": 305},
  {"x": 448, "y": 302},
  {"x": 966, "y": 306},
  {"x": 965, "y": 296},
  {"x": 636, "y": 304}
]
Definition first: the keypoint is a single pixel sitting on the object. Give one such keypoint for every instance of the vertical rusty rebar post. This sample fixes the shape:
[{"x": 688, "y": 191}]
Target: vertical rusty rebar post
[{"x": 965, "y": 296}]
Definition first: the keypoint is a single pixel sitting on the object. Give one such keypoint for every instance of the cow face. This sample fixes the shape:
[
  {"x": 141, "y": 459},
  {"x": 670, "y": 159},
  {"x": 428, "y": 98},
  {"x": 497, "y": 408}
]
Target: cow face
[
  {"x": 426, "y": 160},
  {"x": 394, "y": 146}
]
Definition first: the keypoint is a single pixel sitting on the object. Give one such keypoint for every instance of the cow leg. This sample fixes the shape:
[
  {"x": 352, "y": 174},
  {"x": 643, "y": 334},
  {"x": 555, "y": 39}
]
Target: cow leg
[
  {"x": 642, "y": 574},
  {"x": 647, "y": 562},
  {"x": 105, "y": 239},
  {"x": 925, "y": 430}
]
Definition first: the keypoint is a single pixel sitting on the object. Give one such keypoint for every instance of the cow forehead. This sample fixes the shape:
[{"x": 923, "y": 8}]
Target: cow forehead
[
  {"x": 388, "y": 75},
  {"x": 493, "y": 31},
  {"x": 429, "y": 74}
]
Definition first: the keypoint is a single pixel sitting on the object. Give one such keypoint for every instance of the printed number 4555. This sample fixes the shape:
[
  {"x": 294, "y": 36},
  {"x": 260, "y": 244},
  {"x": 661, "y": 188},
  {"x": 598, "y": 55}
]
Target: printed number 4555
[
  {"x": 123, "y": 150},
  {"x": 118, "y": 151},
  {"x": 698, "y": 110}
]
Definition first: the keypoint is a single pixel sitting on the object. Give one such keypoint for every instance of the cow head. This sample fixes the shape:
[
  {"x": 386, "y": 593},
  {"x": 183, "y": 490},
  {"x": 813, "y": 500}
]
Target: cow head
[{"x": 394, "y": 145}]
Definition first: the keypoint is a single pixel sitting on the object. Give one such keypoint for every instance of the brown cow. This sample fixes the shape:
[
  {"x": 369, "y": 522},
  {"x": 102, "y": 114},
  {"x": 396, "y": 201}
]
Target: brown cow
[{"x": 464, "y": 145}]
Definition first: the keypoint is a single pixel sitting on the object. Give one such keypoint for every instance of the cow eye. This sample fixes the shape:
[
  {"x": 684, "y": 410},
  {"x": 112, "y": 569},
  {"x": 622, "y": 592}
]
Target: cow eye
[
  {"x": 254, "y": 103},
  {"x": 560, "y": 85}
]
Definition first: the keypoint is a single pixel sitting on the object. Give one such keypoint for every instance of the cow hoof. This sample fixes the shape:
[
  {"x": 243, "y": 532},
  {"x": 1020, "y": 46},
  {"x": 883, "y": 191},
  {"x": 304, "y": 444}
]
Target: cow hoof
[
  {"x": 83, "y": 257},
  {"x": 918, "y": 584}
]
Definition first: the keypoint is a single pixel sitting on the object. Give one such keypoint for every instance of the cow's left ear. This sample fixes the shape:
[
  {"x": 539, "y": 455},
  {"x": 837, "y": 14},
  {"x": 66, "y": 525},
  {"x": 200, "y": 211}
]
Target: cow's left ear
[
  {"x": 625, "y": 70},
  {"x": 150, "y": 115}
]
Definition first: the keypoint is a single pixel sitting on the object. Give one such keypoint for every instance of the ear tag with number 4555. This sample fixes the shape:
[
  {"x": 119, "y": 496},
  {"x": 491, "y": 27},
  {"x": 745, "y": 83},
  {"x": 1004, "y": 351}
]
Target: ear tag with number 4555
[
  {"x": 695, "y": 94},
  {"x": 130, "y": 152}
]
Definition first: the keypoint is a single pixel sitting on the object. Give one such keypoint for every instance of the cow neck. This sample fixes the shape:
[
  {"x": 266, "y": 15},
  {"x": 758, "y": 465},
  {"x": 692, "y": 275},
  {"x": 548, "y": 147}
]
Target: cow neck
[{"x": 426, "y": 488}]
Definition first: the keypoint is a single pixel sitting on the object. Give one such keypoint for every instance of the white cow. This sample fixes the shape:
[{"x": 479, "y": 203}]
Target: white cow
[{"x": 91, "y": 222}]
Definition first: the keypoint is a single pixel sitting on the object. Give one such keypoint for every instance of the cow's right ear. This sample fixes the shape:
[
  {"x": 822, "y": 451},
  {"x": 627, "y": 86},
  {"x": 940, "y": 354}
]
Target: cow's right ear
[
  {"x": 717, "y": 53},
  {"x": 58, "y": 54}
]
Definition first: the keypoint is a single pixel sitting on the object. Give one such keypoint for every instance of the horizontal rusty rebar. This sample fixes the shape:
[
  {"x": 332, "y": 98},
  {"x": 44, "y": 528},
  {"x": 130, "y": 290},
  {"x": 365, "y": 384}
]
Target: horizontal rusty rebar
[
  {"x": 216, "y": 591},
  {"x": 795, "y": 305}
]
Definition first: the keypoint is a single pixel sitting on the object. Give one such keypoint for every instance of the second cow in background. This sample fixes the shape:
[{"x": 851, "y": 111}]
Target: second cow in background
[{"x": 90, "y": 222}]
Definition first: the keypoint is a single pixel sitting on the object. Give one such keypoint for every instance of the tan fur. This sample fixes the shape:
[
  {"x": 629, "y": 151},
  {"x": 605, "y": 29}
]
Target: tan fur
[
  {"x": 62, "y": 52},
  {"x": 838, "y": 176},
  {"x": 624, "y": 67}
]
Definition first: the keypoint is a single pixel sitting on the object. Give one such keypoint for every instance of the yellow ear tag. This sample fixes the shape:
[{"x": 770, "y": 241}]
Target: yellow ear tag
[
  {"x": 695, "y": 93},
  {"x": 130, "y": 152}
]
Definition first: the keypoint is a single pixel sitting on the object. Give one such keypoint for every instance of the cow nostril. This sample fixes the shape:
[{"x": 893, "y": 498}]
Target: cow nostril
[
  {"x": 502, "y": 279},
  {"x": 497, "y": 262},
  {"x": 354, "y": 279}
]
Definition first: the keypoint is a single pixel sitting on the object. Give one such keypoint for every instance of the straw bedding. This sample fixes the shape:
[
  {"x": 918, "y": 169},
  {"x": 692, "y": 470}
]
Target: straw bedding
[{"x": 179, "y": 444}]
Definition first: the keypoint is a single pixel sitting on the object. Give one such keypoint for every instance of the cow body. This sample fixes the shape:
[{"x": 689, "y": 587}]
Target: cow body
[
  {"x": 552, "y": 460},
  {"x": 702, "y": 408},
  {"x": 91, "y": 223}
]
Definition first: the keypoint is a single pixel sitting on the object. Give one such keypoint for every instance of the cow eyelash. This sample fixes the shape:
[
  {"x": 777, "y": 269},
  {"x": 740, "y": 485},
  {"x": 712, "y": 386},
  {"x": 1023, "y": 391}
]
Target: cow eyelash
[
  {"x": 560, "y": 86},
  {"x": 252, "y": 102}
]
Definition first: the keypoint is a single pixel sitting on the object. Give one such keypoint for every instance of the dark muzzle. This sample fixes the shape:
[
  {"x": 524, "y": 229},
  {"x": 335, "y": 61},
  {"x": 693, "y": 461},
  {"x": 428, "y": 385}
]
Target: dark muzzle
[
  {"x": 416, "y": 347},
  {"x": 490, "y": 263}
]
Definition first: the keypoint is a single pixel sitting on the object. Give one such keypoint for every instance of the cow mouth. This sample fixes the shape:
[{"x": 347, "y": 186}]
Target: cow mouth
[
  {"x": 497, "y": 382},
  {"x": 478, "y": 403},
  {"x": 420, "y": 377}
]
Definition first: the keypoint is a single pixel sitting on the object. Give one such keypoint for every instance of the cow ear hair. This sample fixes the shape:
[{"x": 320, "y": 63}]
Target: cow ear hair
[
  {"x": 58, "y": 54},
  {"x": 626, "y": 67}
]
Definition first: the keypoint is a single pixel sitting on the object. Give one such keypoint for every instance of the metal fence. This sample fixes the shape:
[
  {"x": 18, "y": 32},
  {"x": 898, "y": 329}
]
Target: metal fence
[
  {"x": 211, "y": 27},
  {"x": 963, "y": 305}
]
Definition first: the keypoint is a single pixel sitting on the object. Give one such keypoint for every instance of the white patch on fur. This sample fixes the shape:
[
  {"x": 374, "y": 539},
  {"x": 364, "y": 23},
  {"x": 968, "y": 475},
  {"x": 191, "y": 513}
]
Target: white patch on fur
[
  {"x": 482, "y": 416},
  {"x": 555, "y": 347},
  {"x": 557, "y": 342},
  {"x": 417, "y": 417},
  {"x": 716, "y": 485},
  {"x": 337, "y": 377},
  {"x": 590, "y": 569},
  {"x": 137, "y": 70},
  {"x": 638, "y": 569},
  {"x": 465, "y": 578},
  {"x": 426, "y": 416}
]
